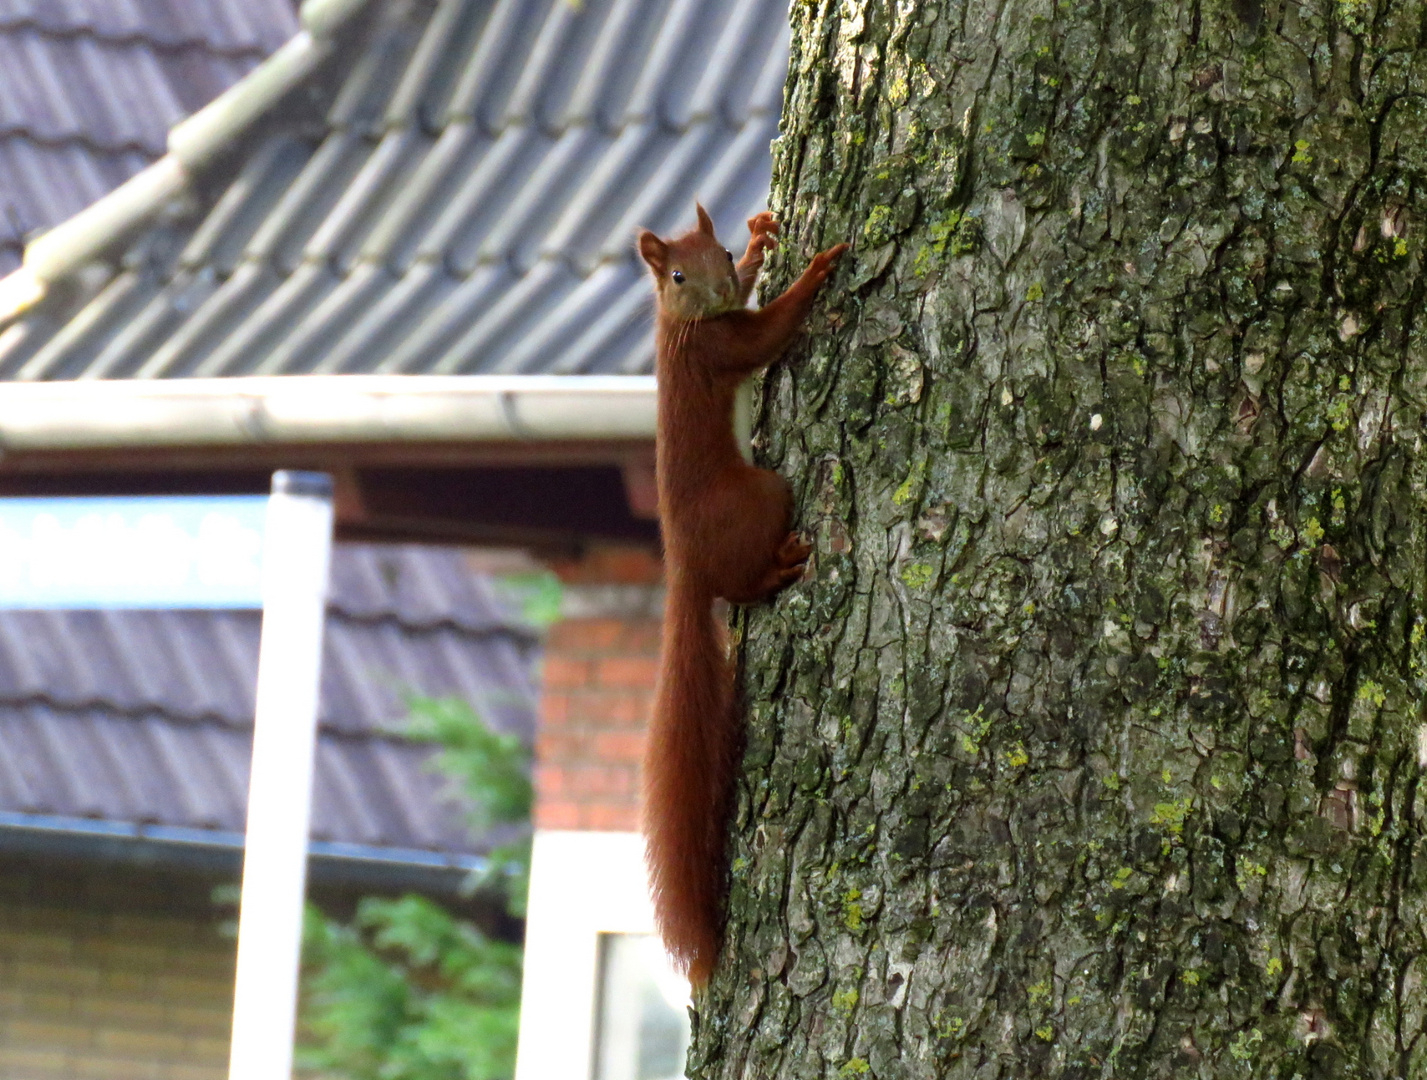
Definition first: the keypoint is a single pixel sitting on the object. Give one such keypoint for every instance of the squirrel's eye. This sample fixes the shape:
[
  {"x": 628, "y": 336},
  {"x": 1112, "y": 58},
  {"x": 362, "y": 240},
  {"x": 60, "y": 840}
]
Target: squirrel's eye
[
  {"x": 678, "y": 276},
  {"x": 729, "y": 254}
]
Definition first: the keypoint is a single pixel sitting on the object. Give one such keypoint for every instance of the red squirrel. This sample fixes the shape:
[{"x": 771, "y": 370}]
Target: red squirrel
[{"x": 727, "y": 534}]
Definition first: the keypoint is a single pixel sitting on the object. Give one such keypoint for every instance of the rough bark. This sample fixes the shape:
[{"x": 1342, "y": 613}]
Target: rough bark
[{"x": 1091, "y": 745}]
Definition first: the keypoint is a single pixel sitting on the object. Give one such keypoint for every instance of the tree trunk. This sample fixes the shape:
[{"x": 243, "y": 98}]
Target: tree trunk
[{"x": 1091, "y": 745}]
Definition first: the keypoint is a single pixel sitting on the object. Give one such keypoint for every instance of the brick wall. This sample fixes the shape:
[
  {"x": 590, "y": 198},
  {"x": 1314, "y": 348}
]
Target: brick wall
[
  {"x": 597, "y": 690},
  {"x": 110, "y": 974}
]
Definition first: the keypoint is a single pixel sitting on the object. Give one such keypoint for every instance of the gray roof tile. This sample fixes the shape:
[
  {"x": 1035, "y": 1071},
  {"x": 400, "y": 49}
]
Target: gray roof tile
[
  {"x": 224, "y": 26},
  {"x": 89, "y": 89},
  {"x": 144, "y": 717},
  {"x": 467, "y": 205}
]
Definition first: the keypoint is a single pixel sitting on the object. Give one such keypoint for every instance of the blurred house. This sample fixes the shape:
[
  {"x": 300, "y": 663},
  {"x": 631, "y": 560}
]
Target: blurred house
[
  {"x": 400, "y": 251},
  {"x": 124, "y": 746}
]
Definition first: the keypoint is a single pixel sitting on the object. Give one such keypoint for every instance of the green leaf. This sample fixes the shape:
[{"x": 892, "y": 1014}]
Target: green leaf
[
  {"x": 492, "y": 768},
  {"x": 406, "y": 990}
]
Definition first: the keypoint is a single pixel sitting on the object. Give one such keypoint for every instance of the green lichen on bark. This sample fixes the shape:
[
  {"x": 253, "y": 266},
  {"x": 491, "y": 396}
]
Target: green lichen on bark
[{"x": 1090, "y": 745}]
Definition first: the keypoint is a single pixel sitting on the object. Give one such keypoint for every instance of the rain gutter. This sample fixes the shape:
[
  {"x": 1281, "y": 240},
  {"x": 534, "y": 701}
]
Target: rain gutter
[
  {"x": 295, "y": 409},
  {"x": 219, "y": 851}
]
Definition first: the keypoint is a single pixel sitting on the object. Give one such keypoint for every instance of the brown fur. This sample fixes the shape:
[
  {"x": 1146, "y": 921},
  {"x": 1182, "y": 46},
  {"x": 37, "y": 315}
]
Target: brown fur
[{"x": 726, "y": 529}]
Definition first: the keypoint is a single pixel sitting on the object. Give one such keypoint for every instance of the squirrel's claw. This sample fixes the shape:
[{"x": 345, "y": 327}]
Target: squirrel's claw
[
  {"x": 823, "y": 262},
  {"x": 763, "y": 222},
  {"x": 763, "y": 232}
]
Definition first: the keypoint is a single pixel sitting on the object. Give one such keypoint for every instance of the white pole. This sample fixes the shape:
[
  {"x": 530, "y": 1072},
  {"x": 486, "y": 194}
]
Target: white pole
[{"x": 297, "y": 545}]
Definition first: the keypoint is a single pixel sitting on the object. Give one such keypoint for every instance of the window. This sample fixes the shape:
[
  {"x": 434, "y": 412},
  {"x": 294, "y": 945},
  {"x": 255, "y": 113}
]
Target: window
[
  {"x": 642, "y": 1032},
  {"x": 600, "y": 1000}
]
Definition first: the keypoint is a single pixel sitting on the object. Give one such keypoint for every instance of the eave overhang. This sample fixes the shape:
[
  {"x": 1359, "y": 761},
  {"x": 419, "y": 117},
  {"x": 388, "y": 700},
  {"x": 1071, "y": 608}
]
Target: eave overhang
[{"x": 297, "y": 410}]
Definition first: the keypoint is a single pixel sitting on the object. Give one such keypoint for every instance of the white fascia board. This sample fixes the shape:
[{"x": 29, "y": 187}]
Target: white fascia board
[{"x": 261, "y": 410}]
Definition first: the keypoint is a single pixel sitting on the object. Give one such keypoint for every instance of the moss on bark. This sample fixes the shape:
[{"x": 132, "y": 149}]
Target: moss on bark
[{"x": 1091, "y": 745}]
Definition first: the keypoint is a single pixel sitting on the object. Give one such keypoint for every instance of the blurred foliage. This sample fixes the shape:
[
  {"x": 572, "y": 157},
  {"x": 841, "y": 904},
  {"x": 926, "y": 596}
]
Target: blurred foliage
[
  {"x": 491, "y": 767},
  {"x": 535, "y": 594},
  {"x": 406, "y": 990},
  {"x": 493, "y": 771}
]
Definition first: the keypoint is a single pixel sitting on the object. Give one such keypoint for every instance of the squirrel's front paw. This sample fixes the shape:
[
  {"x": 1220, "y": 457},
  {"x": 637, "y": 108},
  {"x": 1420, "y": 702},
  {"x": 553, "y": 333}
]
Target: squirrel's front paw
[
  {"x": 763, "y": 223},
  {"x": 824, "y": 261},
  {"x": 762, "y": 233}
]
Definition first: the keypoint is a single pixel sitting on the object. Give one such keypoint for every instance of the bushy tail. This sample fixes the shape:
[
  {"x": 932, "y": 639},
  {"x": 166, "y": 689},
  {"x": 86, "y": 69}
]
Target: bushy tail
[{"x": 694, "y": 743}]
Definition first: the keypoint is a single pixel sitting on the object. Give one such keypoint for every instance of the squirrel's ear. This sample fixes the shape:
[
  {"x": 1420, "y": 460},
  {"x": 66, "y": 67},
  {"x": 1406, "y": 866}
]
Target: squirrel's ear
[
  {"x": 705, "y": 222},
  {"x": 654, "y": 251}
]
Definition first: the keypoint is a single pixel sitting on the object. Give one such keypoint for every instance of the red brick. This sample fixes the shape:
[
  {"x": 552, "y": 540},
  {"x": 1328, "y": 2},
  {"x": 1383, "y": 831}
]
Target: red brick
[
  {"x": 558, "y": 815},
  {"x": 554, "y": 747},
  {"x": 559, "y": 635},
  {"x": 552, "y": 781},
  {"x": 587, "y": 635},
  {"x": 602, "y": 783},
  {"x": 607, "y": 818},
  {"x": 641, "y": 636},
  {"x": 577, "y": 726},
  {"x": 561, "y": 671},
  {"x": 599, "y": 711},
  {"x": 586, "y": 711},
  {"x": 629, "y": 710},
  {"x": 626, "y": 671},
  {"x": 598, "y": 693},
  {"x": 578, "y": 785},
  {"x": 625, "y": 782},
  {"x": 625, "y": 746},
  {"x": 554, "y": 709}
]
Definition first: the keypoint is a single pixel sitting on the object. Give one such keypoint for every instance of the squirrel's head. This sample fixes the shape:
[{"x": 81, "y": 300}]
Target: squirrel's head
[{"x": 694, "y": 275}]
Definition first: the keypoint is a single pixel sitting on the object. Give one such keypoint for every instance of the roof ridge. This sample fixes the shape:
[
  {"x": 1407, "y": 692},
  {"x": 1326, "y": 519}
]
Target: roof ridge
[
  {"x": 18, "y": 131},
  {"x": 131, "y": 712},
  {"x": 64, "y": 33},
  {"x": 524, "y": 635},
  {"x": 192, "y": 143},
  {"x": 388, "y": 731}
]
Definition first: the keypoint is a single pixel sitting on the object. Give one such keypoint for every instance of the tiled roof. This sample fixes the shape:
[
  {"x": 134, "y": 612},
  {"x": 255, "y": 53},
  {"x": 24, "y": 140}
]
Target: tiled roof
[
  {"x": 144, "y": 717},
  {"x": 465, "y": 202},
  {"x": 89, "y": 89}
]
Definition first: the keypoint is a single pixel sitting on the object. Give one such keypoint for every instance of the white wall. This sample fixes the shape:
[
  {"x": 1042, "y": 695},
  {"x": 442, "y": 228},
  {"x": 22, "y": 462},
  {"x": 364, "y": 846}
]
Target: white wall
[{"x": 582, "y": 884}]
